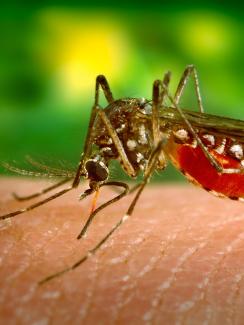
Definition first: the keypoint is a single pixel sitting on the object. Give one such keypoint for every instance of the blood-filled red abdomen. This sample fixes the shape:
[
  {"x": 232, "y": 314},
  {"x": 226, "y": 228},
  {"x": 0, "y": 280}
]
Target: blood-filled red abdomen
[{"x": 197, "y": 168}]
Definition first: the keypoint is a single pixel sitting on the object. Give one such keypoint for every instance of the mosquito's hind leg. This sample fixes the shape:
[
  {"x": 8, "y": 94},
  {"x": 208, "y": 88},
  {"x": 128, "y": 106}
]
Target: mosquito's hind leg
[
  {"x": 158, "y": 95},
  {"x": 207, "y": 154},
  {"x": 190, "y": 71},
  {"x": 44, "y": 191}
]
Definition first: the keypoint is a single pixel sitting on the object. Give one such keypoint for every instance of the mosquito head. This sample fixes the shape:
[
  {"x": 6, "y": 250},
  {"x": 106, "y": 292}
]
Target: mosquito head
[{"x": 96, "y": 169}]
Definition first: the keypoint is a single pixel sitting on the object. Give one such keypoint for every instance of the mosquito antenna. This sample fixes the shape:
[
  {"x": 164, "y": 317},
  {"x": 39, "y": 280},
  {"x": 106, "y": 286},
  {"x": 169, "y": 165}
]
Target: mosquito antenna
[
  {"x": 24, "y": 172},
  {"x": 43, "y": 166}
]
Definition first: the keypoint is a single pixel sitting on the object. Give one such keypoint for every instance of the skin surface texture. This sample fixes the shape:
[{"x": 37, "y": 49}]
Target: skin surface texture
[{"x": 178, "y": 260}]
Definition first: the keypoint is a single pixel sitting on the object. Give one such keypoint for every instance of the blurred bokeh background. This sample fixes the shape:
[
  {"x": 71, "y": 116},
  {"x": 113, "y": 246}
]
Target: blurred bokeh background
[{"x": 51, "y": 52}]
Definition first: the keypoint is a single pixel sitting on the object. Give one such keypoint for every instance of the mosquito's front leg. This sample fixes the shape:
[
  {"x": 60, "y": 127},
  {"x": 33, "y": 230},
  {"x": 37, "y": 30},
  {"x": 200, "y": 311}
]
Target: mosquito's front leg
[
  {"x": 104, "y": 205},
  {"x": 150, "y": 169},
  {"x": 117, "y": 143},
  {"x": 35, "y": 205},
  {"x": 44, "y": 191},
  {"x": 100, "y": 82},
  {"x": 190, "y": 71}
]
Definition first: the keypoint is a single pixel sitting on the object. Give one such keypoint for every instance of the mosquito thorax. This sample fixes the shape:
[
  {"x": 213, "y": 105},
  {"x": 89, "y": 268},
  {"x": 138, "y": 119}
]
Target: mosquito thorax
[
  {"x": 129, "y": 119},
  {"x": 96, "y": 169}
]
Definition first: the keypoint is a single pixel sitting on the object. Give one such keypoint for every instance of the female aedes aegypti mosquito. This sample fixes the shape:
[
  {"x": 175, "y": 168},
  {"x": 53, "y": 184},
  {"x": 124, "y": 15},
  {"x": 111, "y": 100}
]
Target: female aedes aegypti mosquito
[{"x": 142, "y": 134}]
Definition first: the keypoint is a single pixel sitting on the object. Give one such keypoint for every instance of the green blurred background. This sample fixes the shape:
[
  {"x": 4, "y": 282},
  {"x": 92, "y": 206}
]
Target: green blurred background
[{"x": 51, "y": 52}]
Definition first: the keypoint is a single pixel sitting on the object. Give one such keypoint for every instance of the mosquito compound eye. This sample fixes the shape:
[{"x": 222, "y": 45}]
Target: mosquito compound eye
[{"x": 97, "y": 170}]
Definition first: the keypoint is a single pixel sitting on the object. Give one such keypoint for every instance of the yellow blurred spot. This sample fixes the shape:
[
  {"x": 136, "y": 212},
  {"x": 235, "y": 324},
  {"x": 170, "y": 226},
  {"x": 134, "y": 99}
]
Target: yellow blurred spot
[
  {"x": 206, "y": 35},
  {"x": 81, "y": 46}
]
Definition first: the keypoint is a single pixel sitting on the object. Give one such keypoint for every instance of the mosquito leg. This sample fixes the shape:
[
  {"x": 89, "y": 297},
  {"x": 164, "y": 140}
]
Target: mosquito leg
[
  {"x": 93, "y": 250},
  {"x": 50, "y": 198},
  {"x": 37, "y": 194},
  {"x": 35, "y": 205},
  {"x": 86, "y": 256},
  {"x": 102, "y": 82},
  {"x": 158, "y": 96},
  {"x": 131, "y": 190},
  {"x": 207, "y": 154},
  {"x": 165, "y": 83},
  {"x": 104, "y": 205},
  {"x": 189, "y": 71},
  {"x": 157, "y": 100},
  {"x": 155, "y": 111},
  {"x": 151, "y": 167},
  {"x": 152, "y": 164},
  {"x": 118, "y": 144}
]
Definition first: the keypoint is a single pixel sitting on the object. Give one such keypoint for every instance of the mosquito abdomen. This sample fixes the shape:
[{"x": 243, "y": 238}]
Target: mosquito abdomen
[{"x": 190, "y": 159}]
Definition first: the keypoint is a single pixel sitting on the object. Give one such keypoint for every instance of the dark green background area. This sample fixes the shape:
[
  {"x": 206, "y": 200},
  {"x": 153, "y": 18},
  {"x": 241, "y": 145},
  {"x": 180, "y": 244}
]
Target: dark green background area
[{"x": 45, "y": 113}]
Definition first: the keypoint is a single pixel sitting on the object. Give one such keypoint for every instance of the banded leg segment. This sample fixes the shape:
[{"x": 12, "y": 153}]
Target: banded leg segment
[
  {"x": 158, "y": 96},
  {"x": 84, "y": 229},
  {"x": 35, "y": 205},
  {"x": 102, "y": 82},
  {"x": 156, "y": 101},
  {"x": 207, "y": 154},
  {"x": 190, "y": 71},
  {"x": 44, "y": 191},
  {"x": 152, "y": 163},
  {"x": 150, "y": 169},
  {"x": 165, "y": 83},
  {"x": 118, "y": 144},
  {"x": 104, "y": 205}
]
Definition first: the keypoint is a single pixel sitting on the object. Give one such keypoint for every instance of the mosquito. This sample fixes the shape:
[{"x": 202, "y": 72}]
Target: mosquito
[{"x": 143, "y": 135}]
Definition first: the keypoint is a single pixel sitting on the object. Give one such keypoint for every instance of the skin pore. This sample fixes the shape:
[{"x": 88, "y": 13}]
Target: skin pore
[{"x": 179, "y": 259}]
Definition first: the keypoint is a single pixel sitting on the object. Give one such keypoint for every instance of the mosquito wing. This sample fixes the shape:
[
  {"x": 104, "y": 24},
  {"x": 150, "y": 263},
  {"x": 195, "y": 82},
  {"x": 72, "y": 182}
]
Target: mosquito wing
[{"x": 212, "y": 124}]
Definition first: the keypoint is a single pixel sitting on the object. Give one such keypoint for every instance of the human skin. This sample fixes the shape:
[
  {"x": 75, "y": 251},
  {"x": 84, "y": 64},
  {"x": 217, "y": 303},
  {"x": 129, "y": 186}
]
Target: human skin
[{"x": 178, "y": 260}]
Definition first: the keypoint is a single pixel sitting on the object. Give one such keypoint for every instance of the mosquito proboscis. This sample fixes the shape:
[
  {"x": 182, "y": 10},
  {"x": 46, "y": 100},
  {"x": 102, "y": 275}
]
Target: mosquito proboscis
[{"x": 142, "y": 135}]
